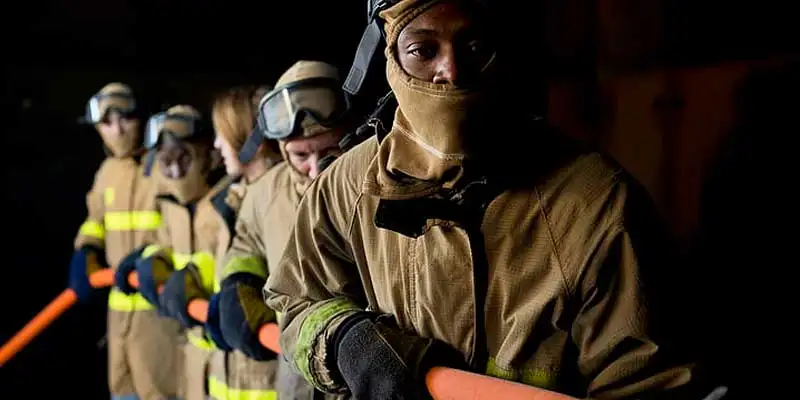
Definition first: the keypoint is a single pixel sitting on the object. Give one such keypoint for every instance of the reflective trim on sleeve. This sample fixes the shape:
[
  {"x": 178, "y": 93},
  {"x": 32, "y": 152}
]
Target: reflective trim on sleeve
[
  {"x": 313, "y": 326},
  {"x": 179, "y": 260},
  {"x": 150, "y": 250},
  {"x": 200, "y": 342},
  {"x": 251, "y": 264},
  {"x": 530, "y": 376},
  {"x": 118, "y": 301},
  {"x": 92, "y": 229},
  {"x": 204, "y": 261}
]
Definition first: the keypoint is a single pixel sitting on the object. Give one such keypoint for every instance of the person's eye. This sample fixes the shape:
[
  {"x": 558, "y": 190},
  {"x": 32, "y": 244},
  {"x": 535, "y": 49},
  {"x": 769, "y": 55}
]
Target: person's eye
[
  {"x": 422, "y": 51},
  {"x": 301, "y": 156}
]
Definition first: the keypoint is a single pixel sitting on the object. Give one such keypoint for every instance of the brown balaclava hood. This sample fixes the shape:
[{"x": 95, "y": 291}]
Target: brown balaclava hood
[
  {"x": 426, "y": 148},
  {"x": 119, "y": 96},
  {"x": 303, "y": 70},
  {"x": 193, "y": 184}
]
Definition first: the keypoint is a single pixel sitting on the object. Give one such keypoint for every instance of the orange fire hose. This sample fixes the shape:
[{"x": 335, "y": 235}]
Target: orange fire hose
[
  {"x": 443, "y": 383},
  {"x": 49, "y": 313}
]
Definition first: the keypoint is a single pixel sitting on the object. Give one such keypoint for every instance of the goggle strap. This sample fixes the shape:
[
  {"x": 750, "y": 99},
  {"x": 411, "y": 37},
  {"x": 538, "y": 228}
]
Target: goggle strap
[
  {"x": 148, "y": 162},
  {"x": 250, "y": 147},
  {"x": 367, "y": 47}
]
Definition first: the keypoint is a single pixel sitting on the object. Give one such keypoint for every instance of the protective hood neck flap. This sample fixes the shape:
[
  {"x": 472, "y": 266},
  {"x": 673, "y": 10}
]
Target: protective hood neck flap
[
  {"x": 430, "y": 138},
  {"x": 123, "y": 146}
]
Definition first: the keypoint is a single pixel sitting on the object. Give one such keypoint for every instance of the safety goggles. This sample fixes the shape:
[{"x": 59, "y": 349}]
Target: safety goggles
[
  {"x": 100, "y": 105},
  {"x": 178, "y": 126},
  {"x": 283, "y": 110}
]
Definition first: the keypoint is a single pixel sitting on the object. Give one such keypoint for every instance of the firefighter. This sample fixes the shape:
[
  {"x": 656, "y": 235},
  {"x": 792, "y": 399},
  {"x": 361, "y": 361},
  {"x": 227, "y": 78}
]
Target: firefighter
[
  {"x": 122, "y": 215},
  {"x": 179, "y": 265},
  {"x": 472, "y": 236},
  {"x": 307, "y": 113},
  {"x": 232, "y": 374}
]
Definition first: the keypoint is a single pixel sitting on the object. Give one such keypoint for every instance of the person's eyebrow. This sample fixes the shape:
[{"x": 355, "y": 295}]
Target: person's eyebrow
[{"x": 422, "y": 31}]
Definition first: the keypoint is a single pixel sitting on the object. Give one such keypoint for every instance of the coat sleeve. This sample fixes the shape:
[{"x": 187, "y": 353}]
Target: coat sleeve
[
  {"x": 246, "y": 250},
  {"x": 620, "y": 330},
  {"x": 316, "y": 284},
  {"x": 92, "y": 231}
]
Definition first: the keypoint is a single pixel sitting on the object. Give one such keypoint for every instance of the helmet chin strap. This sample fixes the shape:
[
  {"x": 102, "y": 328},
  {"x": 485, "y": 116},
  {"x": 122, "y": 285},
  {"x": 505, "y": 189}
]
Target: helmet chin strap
[
  {"x": 367, "y": 46},
  {"x": 370, "y": 41}
]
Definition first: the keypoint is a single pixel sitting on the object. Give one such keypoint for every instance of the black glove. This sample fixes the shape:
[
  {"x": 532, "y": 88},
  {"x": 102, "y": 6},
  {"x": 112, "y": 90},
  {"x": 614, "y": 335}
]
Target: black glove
[
  {"x": 378, "y": 360},
  {"x": 85, "y": 261},
  {"x": 153, "y": 272},
  {"x": 125, "y": 267},
  {"x": 242, "y": 312},
  {"x": 212, "y": 325},
  {"x": 180, "y": 288}
]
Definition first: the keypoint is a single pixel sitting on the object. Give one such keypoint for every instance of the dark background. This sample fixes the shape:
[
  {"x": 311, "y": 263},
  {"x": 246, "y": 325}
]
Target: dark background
[{"x": 57, "y": 54}]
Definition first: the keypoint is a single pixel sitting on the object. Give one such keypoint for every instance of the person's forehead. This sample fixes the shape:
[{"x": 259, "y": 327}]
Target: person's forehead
[
  {"x": 315, "y": 143},
  {"x": 445, "y": 18},
  {"x": 171, "y": 145}
]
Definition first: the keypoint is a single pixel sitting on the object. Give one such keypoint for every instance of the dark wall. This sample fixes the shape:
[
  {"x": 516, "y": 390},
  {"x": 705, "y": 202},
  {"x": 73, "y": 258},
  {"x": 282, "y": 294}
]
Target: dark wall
[{"x": 56, "y": 55}]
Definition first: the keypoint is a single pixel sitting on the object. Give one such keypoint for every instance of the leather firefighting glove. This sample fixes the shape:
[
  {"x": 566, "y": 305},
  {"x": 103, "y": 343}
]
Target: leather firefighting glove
[
  {"x": 242, "y": 311},
  {"x": 153, "y": 272},
  {"x": 183, "y": 286},
  {"x": 212, "y": 325},
  {"x": 378, "y": 360},
  {"x": 124, "y": 269},
  {"x": 85, "y": 261}
]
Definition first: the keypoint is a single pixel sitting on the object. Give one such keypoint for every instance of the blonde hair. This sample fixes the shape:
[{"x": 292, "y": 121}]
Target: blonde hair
[{"x": 233, "y": 113}]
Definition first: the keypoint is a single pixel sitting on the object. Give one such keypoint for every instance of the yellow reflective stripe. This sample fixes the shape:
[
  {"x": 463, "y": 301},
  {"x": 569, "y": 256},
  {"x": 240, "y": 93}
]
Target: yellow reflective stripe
[
  {"x": 218, "y": 390},
  {"x": 132, "y": 220},
  {"x": 250, "y": 264},
  {"x": 179, "y": 260},
  {"x": 217, "y": 284},
  {"x": 204, "y": 261},
  {"x": 118, "y": 301},
  {"x": 108, "y": 196},
  {"x": 200, "y": 342},
  {"x": 93, "y": 229},
  {"x": 150, "y": 250},
  {"x": 530, "y": 376},
  {"x": 312, "y": 327}
]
